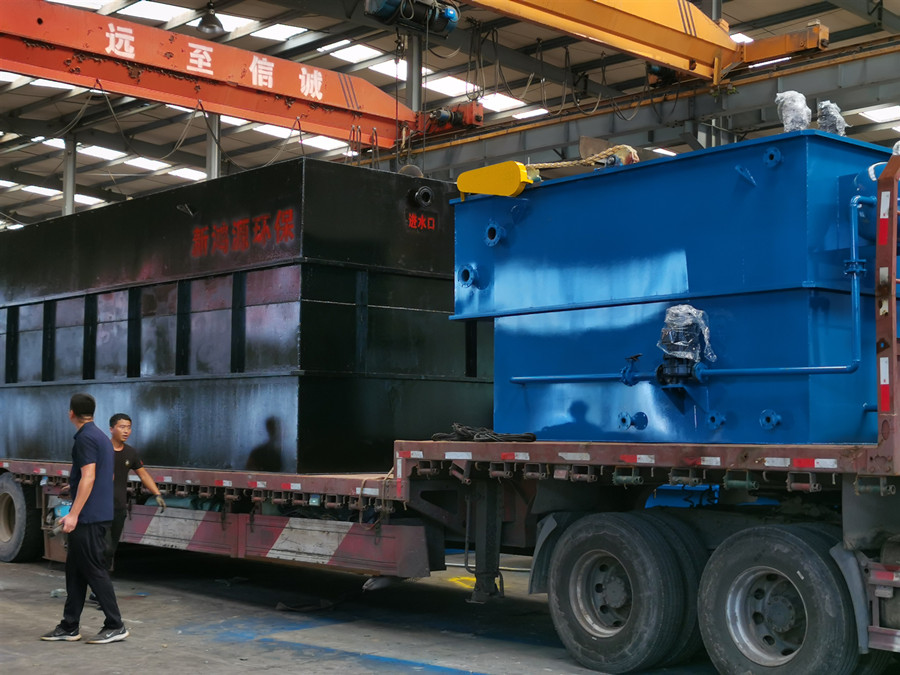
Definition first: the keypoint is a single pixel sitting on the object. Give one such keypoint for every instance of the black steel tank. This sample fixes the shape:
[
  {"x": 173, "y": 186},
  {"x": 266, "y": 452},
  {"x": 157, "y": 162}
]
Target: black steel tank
[{"x": 289, "y": 318}]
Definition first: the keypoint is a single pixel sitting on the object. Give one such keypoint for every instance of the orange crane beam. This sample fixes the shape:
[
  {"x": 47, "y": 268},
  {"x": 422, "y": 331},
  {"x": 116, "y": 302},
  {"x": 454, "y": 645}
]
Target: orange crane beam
[
  {"x": 71, "y": 45},
  {"x": 672, "y": 33}
]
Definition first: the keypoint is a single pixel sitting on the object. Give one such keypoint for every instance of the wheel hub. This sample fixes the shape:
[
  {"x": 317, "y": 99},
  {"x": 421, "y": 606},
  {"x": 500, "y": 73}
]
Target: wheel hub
[
  {"x": 769, "y": 618},
  {"x": 615, "y": 592},
  {"x": 602, "y": 592},
  {"x": 780, "y": 614}
]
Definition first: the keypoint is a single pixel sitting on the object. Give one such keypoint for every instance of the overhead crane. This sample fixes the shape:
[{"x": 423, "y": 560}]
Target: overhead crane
[
  {"x": 56, "y": 42},
  {"x": 671, "y": 33},
  {"x": 107, "y": 53}
]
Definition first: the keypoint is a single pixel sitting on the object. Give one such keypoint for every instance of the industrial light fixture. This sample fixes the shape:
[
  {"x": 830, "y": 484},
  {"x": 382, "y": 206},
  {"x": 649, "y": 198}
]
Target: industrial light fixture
[{"x": 209, "y": 22}]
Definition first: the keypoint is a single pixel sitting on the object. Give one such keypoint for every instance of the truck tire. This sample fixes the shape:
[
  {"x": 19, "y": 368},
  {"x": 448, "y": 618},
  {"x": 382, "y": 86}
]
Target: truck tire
[
  {"x": 772, "y": 599},
  {"x": 692, "y": 555},
  {"x": 876, "y": 661},
  {"x": 615, "y": 595},
  {"x": 21, "y": 538}
]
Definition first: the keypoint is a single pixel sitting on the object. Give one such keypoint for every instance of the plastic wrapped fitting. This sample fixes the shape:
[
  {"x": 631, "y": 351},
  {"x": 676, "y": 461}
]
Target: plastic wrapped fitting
[
  {"x": 684, "y": 325},
  {"x": 793, "y": 111},
  {"x": 830, "y": 119}
]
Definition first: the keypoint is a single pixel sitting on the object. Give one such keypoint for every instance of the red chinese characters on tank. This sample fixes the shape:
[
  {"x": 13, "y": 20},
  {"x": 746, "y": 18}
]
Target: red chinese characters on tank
[
  {"x": 419, "y": 221},
  {"x": 242, "y": 234}
]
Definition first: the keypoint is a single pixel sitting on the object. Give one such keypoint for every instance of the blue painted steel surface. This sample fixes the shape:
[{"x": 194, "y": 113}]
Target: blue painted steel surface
[{"x": 756, "y": 234}]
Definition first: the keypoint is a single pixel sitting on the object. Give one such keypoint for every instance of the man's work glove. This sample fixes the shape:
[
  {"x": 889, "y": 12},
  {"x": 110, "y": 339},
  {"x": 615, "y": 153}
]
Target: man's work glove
[{"x": 160, "y": 501}]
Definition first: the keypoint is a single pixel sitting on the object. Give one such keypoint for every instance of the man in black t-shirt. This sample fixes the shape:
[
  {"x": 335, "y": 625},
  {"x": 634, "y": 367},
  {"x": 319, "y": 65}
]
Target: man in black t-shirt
[
  {"x": 91, "y": 484},
  {"x": 126, "y": 460}
]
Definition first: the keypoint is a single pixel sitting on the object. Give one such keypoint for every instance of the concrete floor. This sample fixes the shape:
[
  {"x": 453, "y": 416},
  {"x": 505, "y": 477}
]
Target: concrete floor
[{"x": 190, "y": 613}]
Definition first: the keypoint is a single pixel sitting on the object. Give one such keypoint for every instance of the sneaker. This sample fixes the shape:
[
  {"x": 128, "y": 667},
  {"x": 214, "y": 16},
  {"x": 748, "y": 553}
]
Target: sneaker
[
  {"x": 107, "y": 635},
  {"x": 93, "y": 598},
  {"x": 59, "y": 633}
]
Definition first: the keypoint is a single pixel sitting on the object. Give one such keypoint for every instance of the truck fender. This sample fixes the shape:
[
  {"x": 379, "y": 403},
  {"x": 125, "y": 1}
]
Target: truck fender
[
  {"x": 549, "y": 530},
  {"x": 851, "y": 568}
]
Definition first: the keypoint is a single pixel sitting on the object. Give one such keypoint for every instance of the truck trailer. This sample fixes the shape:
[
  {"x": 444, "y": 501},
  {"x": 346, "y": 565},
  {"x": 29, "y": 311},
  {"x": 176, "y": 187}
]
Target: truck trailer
[{"x": 692, "y": 362}]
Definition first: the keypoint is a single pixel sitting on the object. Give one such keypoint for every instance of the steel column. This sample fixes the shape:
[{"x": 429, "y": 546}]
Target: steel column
[{"x": 69, "y": 171}]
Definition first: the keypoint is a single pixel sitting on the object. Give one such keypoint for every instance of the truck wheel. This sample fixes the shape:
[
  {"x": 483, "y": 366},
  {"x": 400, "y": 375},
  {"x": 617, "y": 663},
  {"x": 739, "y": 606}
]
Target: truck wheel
[
  {"x": 692, "y": 556},
  {"x": 615, "y": 595},
  {"x": 772, "y": 598},
  {"x": 21, "y": 538},
  {"x": 876, "y": 661}
]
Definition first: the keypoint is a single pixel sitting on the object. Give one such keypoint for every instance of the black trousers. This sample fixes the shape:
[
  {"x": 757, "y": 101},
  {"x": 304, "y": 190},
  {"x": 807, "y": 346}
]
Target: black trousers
[
  {"x": 113, "y": 535},
  {"x": 86, "y": 566}
]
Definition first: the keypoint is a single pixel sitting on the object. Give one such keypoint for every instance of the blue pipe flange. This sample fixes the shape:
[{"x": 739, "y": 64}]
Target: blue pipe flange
[
  {"x": 638, "y": 421},
  {"x": 772, "y": 157},
  {"x": 769, "y": 419},
  {"x": 715, "y": 419},
  {"x": 468, "y": 276},
  {"x": 494, "y": 234}
]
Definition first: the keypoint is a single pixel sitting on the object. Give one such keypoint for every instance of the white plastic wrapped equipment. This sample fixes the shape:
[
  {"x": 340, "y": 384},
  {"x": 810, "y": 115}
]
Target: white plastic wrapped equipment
[
  {"x": 793, "y": 111},
  {"x": 830, "y": 119},
  {"x": 683, "y": 326}
]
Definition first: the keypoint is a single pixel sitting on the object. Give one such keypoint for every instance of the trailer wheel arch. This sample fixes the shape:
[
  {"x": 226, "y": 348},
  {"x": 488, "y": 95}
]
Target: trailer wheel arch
[
  {"x": 21, "y": 538},
  {"x": 549, "y": 530}
]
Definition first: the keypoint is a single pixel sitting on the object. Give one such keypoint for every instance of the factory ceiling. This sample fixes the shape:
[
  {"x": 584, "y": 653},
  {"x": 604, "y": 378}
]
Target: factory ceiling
[{"x": 546, "y": 95}]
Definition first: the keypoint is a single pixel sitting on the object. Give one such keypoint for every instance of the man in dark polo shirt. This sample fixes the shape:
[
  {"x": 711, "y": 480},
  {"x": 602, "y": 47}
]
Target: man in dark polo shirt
[
  {"x": 91, "y": 485},
  {"x": 127, "y": 459}
]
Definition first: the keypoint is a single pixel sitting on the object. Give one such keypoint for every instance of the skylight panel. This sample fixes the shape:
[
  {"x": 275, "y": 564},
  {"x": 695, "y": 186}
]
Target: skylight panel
[
  {"x": 356, "y": 53},
  {"x": 279, "y": 32},
  {"x": 396, "y": 70},
  {"x": 880, "y": 115},
  {"x": 154, "y": 11},
  {"x": 190, "y": 174},
  {"x": 86, "y": 200},
  {"x": 145, "y": 163},
  {"x": 500, "y": 102},
  {"x": 448, "y": 86},
  {"x": 84, "y": 4},
  {"x": 51, "y": 84},
  {"x": 537, "y": 112},
  {"x": 324, "y": 143},
  {"x": 233, "y": 121},
  {"x": 38, "y": 190},
  {"x": 272, "y": 130},
  {"x": 101, "y": 152},
  {"x": 333, "y": 46}
]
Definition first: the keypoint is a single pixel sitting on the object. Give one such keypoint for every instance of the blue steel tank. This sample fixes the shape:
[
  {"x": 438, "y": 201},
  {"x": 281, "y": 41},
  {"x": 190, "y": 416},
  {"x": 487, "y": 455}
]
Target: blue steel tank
[{"x": 720, "y": 296}]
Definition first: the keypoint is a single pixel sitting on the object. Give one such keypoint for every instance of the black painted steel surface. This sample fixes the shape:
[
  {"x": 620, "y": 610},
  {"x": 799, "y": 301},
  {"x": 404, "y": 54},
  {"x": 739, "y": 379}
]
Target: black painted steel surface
[{"x": 288, "y": 318}]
